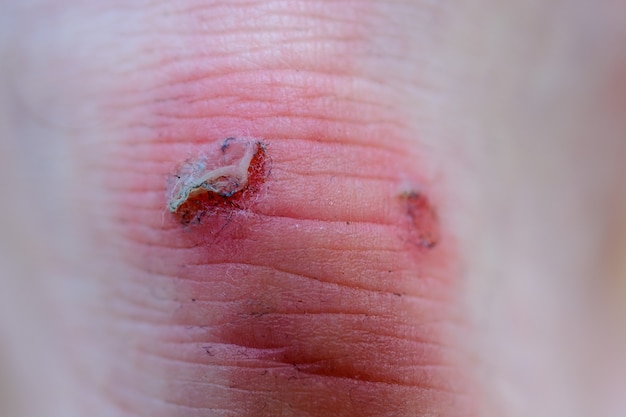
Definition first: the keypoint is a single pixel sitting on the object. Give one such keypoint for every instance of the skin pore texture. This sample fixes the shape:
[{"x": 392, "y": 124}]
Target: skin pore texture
[{"x": 311, "y": 208}]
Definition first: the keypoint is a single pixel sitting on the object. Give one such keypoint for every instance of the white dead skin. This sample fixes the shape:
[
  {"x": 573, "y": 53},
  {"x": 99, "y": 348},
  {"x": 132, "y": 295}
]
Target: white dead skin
[{"x": 204, "y": 175}]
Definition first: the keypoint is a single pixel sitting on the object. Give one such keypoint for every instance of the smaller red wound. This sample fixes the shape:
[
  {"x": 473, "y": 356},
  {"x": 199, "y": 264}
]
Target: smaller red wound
[{"x": 424, "y": 225}]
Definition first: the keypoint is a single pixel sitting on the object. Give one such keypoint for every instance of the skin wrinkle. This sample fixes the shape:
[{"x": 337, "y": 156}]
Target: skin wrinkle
[
  {"x": 381, "y": 317},
  {"x": 278, "y": 136},
  {"x": 300, "y": 84},
  {"x": 277, "y": 109},
  {"x": 300, "y": 368},
  {"x": 378, "y": 292},
  {"x": 222, "y": 62},
  {"x": 287, "y": 77},
  {"x": 321, "y": 213},
  {"x": 156, "y": 191},
  {"x": 204, "y": 329},
  {"x": 289, "y": 276},
  {"x": 252, "y": 354},
  {"x": 155, "y": 323},
  {"x": 319, "y": 277},
  {"x": 166, "y": 140},
  {"x": 321, "y": 224},
  {"x": 203, "y": 408},
  {"x": 189, "y": 279},
  {"x": 240, "y": 363},
  {"x": 417, "y": 344},
  {"x": 316, "y": 278},
  {"x": 253, "y": 391},
  {"x": 346, "y": 152},
  {"x": 176, "y": 363}
]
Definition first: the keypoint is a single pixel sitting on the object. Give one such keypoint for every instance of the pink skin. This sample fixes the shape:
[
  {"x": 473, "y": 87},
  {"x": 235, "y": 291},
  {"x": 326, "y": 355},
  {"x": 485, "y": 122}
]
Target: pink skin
[
  {"x": 431, "y": 222},
  {"x": 315, "y": 286}
]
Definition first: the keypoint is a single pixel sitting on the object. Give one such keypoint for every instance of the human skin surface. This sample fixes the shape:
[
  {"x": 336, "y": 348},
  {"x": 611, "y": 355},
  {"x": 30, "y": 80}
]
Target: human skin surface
[{"x": 432, "y": 223}]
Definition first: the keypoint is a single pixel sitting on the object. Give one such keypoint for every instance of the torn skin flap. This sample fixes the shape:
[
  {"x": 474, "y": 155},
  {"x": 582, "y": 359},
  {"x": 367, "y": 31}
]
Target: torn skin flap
[{"x": 216, "y": 178}]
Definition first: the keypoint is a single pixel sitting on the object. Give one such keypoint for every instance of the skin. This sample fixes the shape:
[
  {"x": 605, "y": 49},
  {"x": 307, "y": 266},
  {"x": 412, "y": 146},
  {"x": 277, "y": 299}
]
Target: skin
[{"x": 494, "y": 127}]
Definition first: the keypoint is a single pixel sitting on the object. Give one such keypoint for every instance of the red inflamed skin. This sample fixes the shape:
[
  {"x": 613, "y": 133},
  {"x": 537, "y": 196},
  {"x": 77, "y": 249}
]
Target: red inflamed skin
[
  {"x": 323, "y": 287},
  {"x": 276, "y": 231}
]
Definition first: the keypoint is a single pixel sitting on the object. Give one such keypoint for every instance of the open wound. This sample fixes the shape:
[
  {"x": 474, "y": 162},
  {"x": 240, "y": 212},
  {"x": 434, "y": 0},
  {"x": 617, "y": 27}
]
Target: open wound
[
  {"x": 424, "y": 225},
  {"x": 226, "y": 178}
]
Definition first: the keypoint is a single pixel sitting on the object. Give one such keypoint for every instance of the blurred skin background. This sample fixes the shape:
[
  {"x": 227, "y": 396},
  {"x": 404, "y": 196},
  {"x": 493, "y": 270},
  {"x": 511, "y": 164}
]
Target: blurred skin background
[{"x": 522, "y": 105}]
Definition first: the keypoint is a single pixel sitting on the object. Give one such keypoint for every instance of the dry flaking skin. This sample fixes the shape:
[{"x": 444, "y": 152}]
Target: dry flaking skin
[{"x": 214, "y": 179}]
